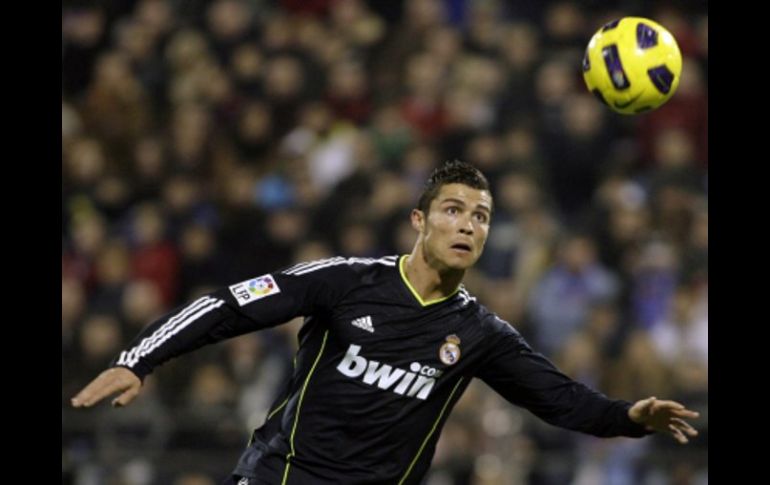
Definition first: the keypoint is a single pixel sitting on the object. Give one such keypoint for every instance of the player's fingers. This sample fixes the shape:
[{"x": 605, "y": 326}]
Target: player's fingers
[
  {"x": 670, "y": 405},
  {"x": 643, "y": 406},
  {"x": 126, "y": 397},
  {"x": 107, "y": 383},
  {"x": 678, "y": 435},
  {"x": 89, "y": 397},
  {"x": 649, "y": 405},
  {"x": 685, "y": 426},
  {"x": 685, "y": 413},
  {"x": 94, "y": 392},
  {"x": 641, "y": 410}
]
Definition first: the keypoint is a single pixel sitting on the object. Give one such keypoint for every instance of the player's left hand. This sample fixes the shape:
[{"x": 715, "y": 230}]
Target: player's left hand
[
  {"x": 115, "y": 380},
  {"x": 664, "y": 417}
]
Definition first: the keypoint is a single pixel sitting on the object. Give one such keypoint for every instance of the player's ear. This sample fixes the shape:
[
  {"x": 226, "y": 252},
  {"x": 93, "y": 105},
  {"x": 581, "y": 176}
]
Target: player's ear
[{"x": 418, "y": 219}]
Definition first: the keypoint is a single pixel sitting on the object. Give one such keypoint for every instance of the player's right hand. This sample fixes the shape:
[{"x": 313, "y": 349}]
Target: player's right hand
[{"x": 111, "y": 381}]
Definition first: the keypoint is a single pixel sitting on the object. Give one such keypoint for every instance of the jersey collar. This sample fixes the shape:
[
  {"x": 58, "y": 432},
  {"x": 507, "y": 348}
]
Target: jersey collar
[{"x": 416, "y": 295}]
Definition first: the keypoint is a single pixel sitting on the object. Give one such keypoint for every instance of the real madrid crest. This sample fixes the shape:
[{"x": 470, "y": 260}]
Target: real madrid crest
[{"x": 450, "y": 350}]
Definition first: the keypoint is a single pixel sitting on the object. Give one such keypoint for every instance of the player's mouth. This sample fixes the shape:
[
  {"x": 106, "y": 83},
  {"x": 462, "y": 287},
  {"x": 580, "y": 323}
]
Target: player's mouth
[{"x": 461, "y": 248}]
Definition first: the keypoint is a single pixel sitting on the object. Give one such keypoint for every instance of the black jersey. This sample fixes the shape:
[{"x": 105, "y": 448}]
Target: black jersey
[{"x": 377, "y": 372}]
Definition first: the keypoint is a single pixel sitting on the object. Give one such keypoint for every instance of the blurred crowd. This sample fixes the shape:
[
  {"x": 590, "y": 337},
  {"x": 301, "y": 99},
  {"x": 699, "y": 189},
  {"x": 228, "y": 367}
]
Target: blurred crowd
[{"x": 206, "y": 142}]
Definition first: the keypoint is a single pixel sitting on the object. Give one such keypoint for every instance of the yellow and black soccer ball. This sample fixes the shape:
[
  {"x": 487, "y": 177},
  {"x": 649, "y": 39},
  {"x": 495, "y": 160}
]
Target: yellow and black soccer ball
[{"x": 632, "y": 65}]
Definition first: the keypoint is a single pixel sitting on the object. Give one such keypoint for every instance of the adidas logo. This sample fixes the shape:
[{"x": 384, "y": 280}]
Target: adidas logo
[{"x": 364, "y": 323}]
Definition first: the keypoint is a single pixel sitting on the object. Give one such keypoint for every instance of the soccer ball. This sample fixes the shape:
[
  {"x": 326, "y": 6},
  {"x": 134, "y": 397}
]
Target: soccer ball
[{"x": 632, "y": 65}]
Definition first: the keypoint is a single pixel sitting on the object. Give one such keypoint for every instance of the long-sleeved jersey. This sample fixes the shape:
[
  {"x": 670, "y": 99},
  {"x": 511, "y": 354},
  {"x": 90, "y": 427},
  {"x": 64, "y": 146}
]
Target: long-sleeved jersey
[{"x": 377, "y": 372}]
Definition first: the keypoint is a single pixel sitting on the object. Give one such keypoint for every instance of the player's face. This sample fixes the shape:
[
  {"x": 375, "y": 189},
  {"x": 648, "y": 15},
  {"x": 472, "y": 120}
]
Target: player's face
[{"x": 456, "y": 227}]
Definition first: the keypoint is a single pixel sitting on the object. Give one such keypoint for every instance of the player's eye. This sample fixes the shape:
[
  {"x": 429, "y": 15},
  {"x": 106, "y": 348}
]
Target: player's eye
[
  {"x": 452, "y": 210},
  {"x": 481, "y": 217}
]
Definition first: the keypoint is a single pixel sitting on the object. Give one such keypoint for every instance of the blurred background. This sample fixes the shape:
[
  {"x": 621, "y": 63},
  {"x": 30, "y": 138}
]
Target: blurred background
[{"x": 206, "y": 142}]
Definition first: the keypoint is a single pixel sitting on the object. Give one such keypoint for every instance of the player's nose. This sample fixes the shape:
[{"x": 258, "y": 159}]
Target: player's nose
[{"x": 466, "y": 226}]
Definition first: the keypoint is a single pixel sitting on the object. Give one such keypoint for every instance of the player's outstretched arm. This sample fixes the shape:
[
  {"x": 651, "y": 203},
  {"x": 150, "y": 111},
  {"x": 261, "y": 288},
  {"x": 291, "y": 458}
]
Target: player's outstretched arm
[
  {"x": 664, "y": 417},
  {"x": 112, "y": 381}
]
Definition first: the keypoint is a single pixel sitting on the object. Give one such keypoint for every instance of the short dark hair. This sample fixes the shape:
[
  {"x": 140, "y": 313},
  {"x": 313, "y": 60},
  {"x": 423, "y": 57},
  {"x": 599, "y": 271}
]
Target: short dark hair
[{"x": 451, "y": 172}]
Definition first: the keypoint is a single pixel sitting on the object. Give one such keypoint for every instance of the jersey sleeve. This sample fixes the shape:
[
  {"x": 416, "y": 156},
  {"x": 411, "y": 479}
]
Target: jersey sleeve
[
  {"x": 528, "y": 379},
  {"x": 254, "y": 304}
]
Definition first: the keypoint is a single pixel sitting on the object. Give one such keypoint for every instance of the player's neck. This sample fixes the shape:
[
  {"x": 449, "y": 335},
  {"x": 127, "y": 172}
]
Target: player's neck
[{"x": 429, "y": 282}]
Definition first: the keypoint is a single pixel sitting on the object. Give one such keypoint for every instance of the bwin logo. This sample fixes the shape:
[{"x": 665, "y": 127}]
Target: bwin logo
[{"x": 385, "y": 376}]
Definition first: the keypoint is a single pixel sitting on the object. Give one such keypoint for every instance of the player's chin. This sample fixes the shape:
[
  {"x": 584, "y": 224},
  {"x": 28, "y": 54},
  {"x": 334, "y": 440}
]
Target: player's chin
[{"x": 462, "y": 260}]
